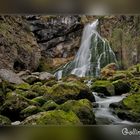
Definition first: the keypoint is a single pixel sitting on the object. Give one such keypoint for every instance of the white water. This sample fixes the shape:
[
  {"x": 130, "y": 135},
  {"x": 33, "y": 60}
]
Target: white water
[
  {"x": 93, "y": 54},
  {"x": 82, "y": 59},
  {"x": 103, "y": 113}
]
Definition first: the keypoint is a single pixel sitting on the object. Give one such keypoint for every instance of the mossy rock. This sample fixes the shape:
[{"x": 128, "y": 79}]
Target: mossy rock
[
  {"x": 128, "y": 108},
  {"x": 71, "y": 78},
  {"x": 49, "y": 105},
  {"x": 103, "y": 86},
  {"x": 24, "y": 86},
  {"x": 13, "y": 104},
  {"x": 132, "y": 102},
  {"x": 40, "y": 100},
  {"x": 50, "y": 83},
  {"x": 4, "y": 121},
  {"x": 121, "y": 87},
  {"x": 82, "y": 108},
  {"x": 135, "y": 69},
  {"x": 117, "y": 77},
  {"x": 30, "y": 110},
  {"x": 41, "y": 90},
  {"x": 135, "y": 85},
  {"x": 31, "y": 79},
  {"x": 63, "y": 91},
  {"x": 27, "y": 94},
  {"x": 55, "y": 117}
]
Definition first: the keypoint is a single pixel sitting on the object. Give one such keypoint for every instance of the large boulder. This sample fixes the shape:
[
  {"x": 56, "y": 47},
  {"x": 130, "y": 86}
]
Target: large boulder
[
  {"x": 128, "y": 108},
  {"x": 63, "y": 91},
  {"x": 10, "y": 76},
  {"x": 13, "y": 104},
  {"x": 55, "y": 117},
  {"x": 102, "y": 86},
  {"x": 30, "y": 110},
  {"x": 49, "y": 105},
  {"x": 82, "y": 108},
  {"x": 121, "y": 86}
]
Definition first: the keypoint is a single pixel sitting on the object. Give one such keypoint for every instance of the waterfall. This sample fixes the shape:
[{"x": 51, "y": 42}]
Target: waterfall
[{"x": 94, "y": 53}]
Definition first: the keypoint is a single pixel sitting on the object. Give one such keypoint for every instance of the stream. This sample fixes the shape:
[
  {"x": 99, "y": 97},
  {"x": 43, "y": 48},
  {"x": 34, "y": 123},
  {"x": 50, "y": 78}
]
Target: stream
[{"x": 104, "y": 114}]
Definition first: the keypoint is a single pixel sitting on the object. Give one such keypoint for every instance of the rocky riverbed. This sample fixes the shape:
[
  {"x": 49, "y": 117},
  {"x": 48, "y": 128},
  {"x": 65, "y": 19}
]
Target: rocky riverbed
[{"x": 39, "y": 99}]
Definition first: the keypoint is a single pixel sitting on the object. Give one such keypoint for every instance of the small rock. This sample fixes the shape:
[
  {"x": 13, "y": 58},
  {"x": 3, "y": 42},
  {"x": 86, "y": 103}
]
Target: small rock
[
  {"x": 16, "y": 123},
  {"x": 31, "y": 79},
  {"x": 45, "y": 76},
  {"x": 10, "y": 76}
]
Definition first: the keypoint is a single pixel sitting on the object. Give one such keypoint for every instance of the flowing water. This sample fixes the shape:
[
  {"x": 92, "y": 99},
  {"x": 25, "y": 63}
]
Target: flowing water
[
  {"x": 94, "y": 53},
  {"x": 104, "y": 114}
]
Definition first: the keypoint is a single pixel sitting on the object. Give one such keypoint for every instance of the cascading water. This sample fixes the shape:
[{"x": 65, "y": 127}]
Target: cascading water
[{"x": 94, "y": 53}]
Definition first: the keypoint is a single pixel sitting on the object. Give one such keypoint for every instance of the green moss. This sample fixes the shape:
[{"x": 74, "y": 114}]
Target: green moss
[
  {"x": 27, "y": 94},
  {"x": 121, "y": 87},
  {"x": 55, "y": 117},
  {"x": 30, "y": 110},
  {"x": 24, "y": 86},
  {"x": 39, "y": 89},
  {"x": 49, "y": 105},
  {"x": 82, "y": 108},
  {"x": 4, "y": 120},
  {"x": 40, "y": 100},
  {"x": 38, "y": 83},
  {"x": 118, "y": 76},
  {"x": 14, "y": 104},
  {"x": 132, "y": 102},
  {"x": 102, "y": 86},
  {"x": 135, "y": 85},
  {"x": 63, "y": 91},
  {"x": 50, "y": 83}
]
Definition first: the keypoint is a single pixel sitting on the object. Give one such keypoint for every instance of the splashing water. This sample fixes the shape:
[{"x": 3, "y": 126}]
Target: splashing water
[{"x": 94, "y": 53}]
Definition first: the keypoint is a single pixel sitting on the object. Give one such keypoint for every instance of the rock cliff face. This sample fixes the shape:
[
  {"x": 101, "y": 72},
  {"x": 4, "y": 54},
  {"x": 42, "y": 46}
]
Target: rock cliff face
[
  {"x": 57, "y": 36},
  {"x": 43, "y": 43},
  {"x": 18, "y": 47}
]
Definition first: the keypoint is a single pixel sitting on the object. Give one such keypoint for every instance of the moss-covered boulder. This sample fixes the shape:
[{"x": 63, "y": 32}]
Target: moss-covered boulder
[
  {"x": 40, "y": 100},
  {"x": 31, "y": 79},
  {"x": 70, "y": 78},
  {"x": 117, "y": 76},
  {"x": 30, "y": 110},
  {"x": 103, "y": 86},
  {"x": 49, "y": 105},
  {"x": 64, "y": 91},
  {"x": 55, "y": 117},
  {"x": 82, "y": 108},
  {"x": 129, "y": 108},
  {"x": 50, "y": 83},
  {"x": 121, "y": 86},
  {"x": 24, "y": 86},
  {"x": 4, "y": 121},
  {"x": 27, "y": 94},
  {"x": 41, "y": 90},
  {"x": 13, "y": 104}
]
